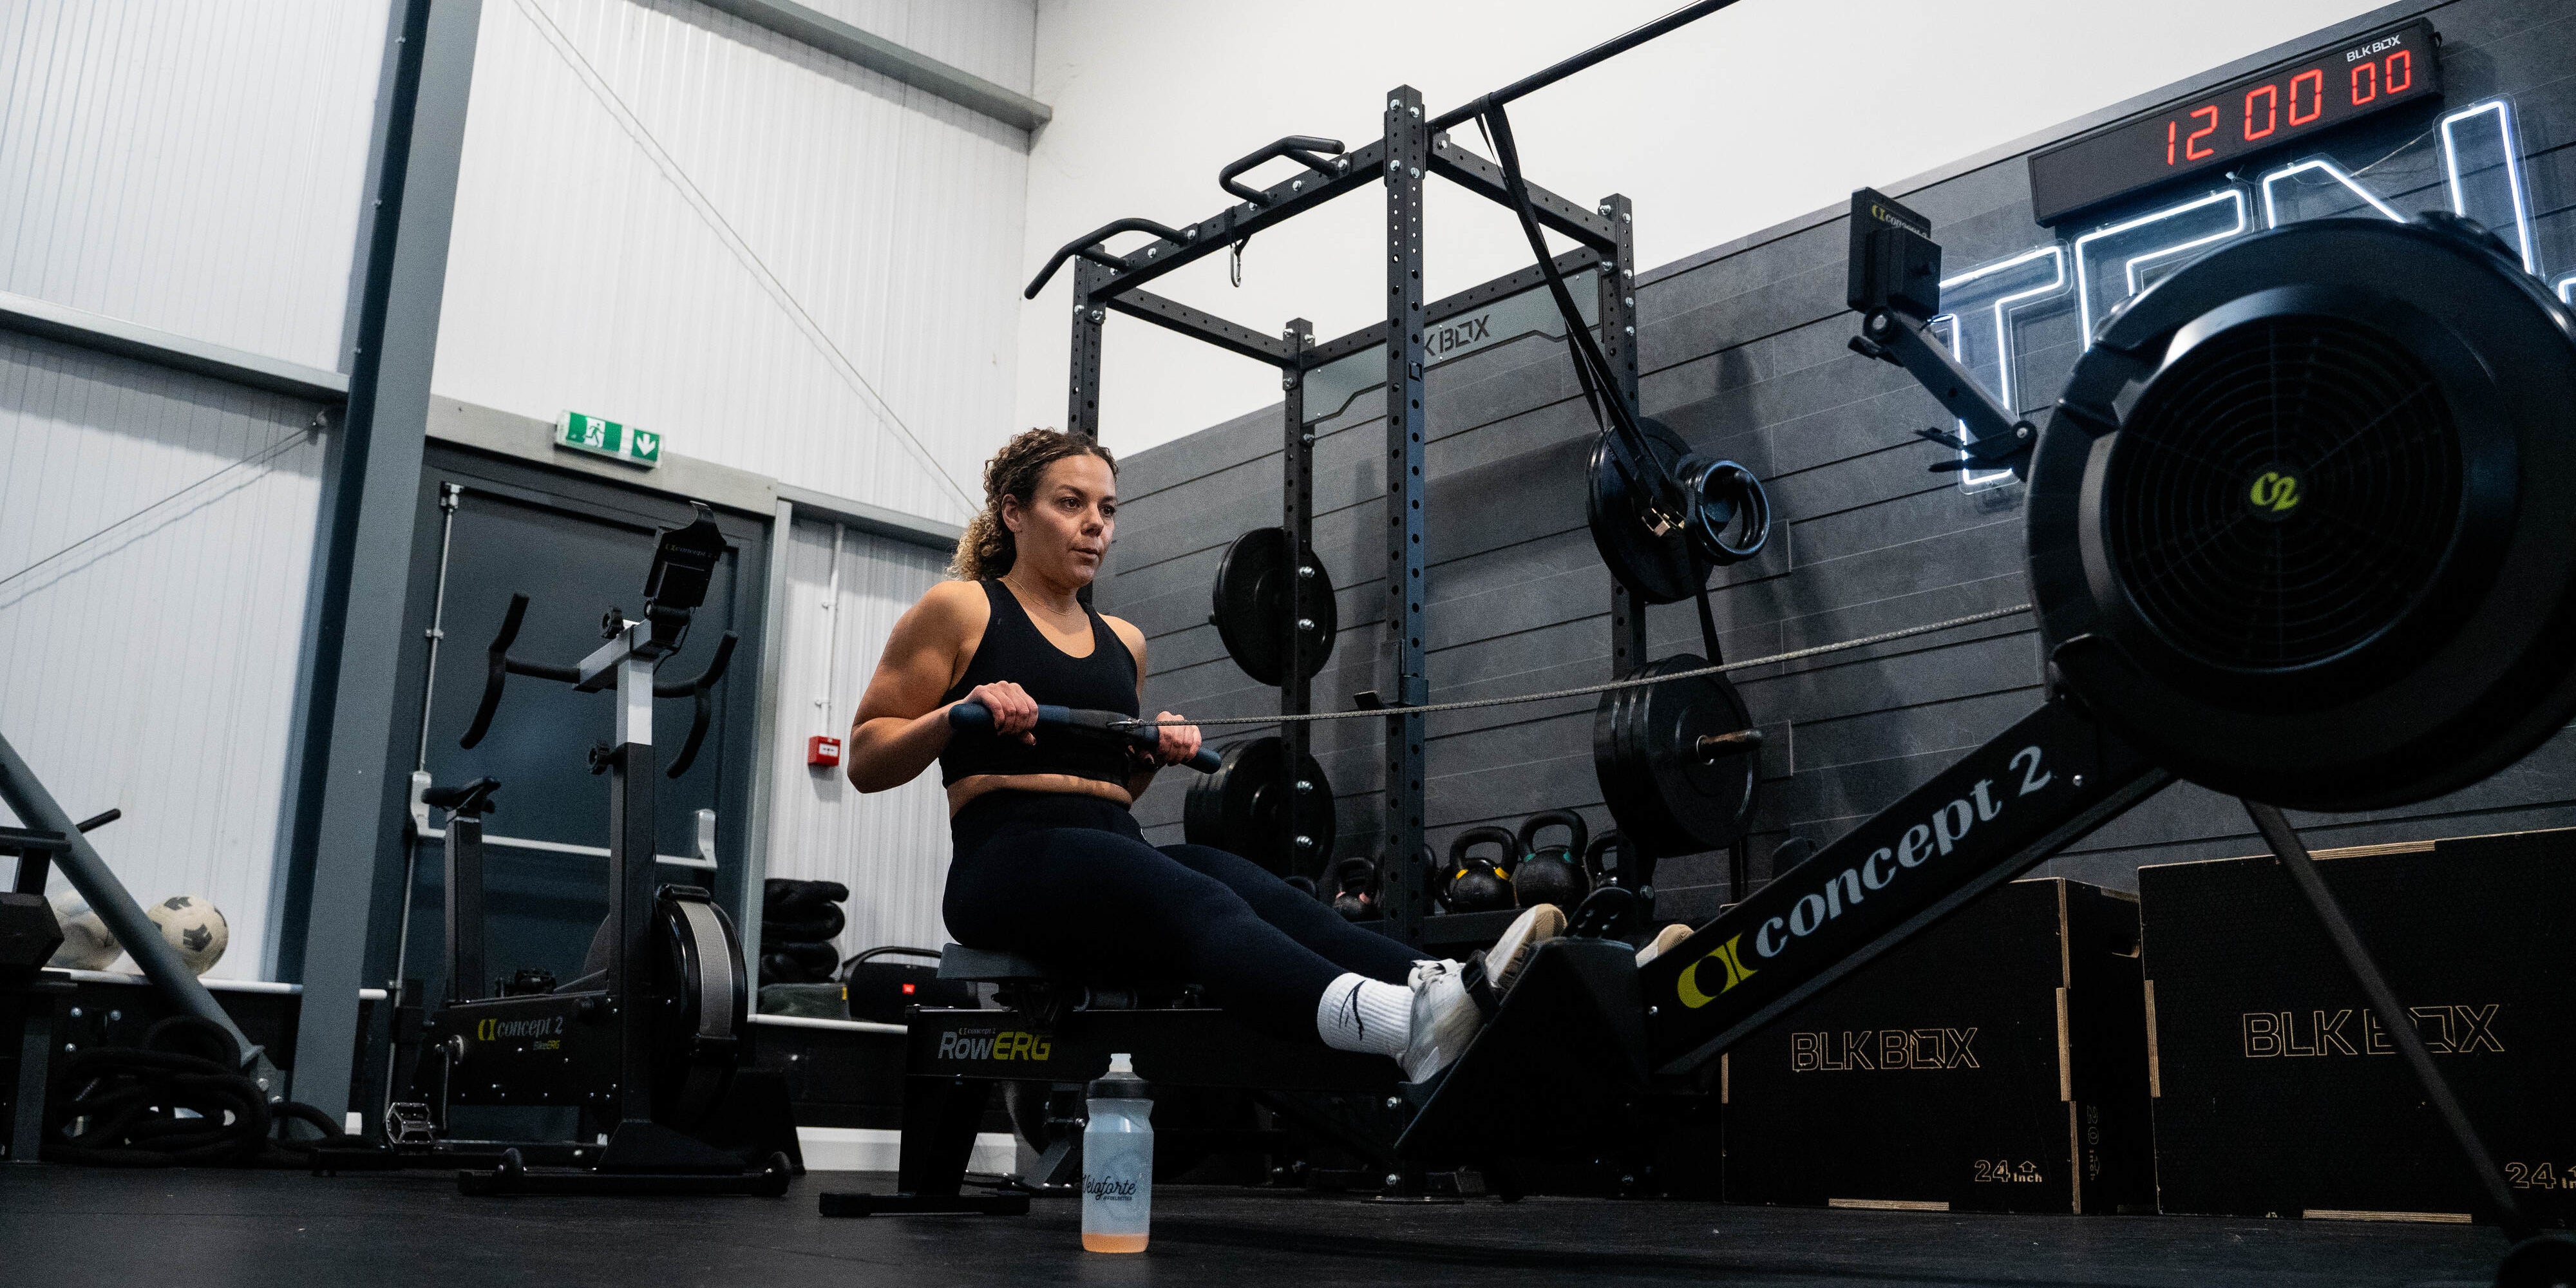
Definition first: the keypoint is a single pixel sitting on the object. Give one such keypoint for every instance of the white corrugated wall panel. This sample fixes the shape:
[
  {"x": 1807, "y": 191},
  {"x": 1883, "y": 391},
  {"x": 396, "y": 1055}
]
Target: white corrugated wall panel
[
  {"x": 673, "y": 218},
  {"x": 993, "y": 39},
  {"x": 156, "y": 537},
  {"x": 890, "y": 848},
  {"x": 196, "y": 167}
]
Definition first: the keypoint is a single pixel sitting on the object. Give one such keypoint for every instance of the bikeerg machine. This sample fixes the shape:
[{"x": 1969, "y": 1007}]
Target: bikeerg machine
[{"x": 645, "y": 1043}]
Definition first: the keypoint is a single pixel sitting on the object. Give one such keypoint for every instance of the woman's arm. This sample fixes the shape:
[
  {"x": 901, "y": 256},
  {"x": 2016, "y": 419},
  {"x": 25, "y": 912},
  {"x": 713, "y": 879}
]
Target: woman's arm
[
  {"x": 1180, "y": 742},
  {"x": 901, "y": 725}
]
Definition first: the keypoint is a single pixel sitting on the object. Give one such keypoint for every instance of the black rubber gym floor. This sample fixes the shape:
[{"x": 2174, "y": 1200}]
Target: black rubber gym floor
[{"x": 74, "y": 1227}]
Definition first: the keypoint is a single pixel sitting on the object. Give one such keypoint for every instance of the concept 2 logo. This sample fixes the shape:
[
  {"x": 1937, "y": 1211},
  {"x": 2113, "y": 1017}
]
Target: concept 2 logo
[
  {"x": 1726, "y": 956},
  {"x": 1921, "y": 843},
  {"x": 2275, "y": 493},
  {"x": 1997, "y": 315},
  {"x": 540, "y": 1027}
]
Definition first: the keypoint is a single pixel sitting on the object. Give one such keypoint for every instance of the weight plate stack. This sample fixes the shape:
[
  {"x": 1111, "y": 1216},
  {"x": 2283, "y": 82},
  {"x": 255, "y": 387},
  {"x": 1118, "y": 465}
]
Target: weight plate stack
[
  {"x": 1251, "y": 606},
  {"x": 1666, "y": 796},
  {"x": 1251, "y": 806},
  {"x": 2299, "y": 525},
  {"x": 1658, "y": 569}
]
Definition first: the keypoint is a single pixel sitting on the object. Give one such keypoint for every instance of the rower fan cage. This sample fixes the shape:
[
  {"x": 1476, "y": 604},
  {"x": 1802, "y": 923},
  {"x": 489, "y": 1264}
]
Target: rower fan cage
[
  {"x": 2343, "y": 435},
  {"x": 2299, "y": 525},
  {"x": 700, "y": 1011},
  {"x": 703, "y": 1012}
]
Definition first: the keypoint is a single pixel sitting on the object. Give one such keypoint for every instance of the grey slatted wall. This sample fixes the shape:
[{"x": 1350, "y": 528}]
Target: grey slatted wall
[{"x": 1744, "y": 352}]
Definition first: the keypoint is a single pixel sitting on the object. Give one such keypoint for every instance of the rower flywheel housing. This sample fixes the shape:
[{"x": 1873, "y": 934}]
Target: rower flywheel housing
[{"x": 2301, "y": 524}]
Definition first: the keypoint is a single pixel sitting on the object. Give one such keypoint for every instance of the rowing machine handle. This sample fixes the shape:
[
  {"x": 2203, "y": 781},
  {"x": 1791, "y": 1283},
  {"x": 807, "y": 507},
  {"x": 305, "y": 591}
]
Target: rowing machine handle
[{"x": 975, "y": 717}]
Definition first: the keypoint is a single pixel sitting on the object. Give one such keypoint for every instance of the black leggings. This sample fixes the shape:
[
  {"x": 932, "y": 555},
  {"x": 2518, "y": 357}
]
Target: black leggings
[{"x": 1069, "y": 878}]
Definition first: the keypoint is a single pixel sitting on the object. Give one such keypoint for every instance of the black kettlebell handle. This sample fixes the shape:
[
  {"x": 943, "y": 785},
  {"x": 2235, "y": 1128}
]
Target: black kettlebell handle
[
  {"x": 1487, "y": 835},
  {"x": 1592, "y": 854},
  {"x": 1354, "y": 875},
  {"x": 1547, "y": 818},
  {"x": 1460, "y": 865}
]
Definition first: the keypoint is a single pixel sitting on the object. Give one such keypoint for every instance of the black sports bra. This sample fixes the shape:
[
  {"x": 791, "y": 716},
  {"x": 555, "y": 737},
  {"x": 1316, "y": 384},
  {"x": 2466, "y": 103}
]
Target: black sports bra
[{"x": 1014, "y": 649}]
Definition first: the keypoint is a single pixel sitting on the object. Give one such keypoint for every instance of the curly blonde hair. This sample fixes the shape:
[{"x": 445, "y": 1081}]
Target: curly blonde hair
[{"x": 986, "y": 549}]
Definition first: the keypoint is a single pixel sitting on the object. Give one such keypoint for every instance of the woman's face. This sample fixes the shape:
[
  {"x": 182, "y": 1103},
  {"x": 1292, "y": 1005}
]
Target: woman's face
[{"x": 1063, "y": 532}]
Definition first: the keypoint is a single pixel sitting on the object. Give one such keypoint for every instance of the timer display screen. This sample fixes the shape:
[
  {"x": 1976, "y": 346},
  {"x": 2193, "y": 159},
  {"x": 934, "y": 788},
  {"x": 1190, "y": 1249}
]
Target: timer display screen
[{"x": 2210, "y": 131}]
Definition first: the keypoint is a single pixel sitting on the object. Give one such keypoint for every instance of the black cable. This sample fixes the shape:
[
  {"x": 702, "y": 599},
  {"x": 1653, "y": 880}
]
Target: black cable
[
  {"x": 1707, "y": 615},
  {"x": 123, "y": 1105},
  {"x": 1591, "y": 368},
  {"x": 888, "y": 950}
]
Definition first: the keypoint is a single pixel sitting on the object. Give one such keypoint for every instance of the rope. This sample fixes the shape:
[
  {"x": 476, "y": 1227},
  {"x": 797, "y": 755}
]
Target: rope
[
  {"x": 124, "y": 1102},
  {"x": 1792, "y": 656},
  {"x": 260, "y": 457}
]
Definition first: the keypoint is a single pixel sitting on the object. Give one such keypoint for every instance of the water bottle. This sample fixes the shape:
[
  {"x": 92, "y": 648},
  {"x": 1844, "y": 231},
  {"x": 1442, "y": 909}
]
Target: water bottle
[{"x": 1117, "y": 1162}]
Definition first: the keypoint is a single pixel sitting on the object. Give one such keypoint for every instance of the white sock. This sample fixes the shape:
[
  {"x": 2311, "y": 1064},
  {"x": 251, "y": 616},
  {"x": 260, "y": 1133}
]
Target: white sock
[{"x": 1357, "y": 1013}]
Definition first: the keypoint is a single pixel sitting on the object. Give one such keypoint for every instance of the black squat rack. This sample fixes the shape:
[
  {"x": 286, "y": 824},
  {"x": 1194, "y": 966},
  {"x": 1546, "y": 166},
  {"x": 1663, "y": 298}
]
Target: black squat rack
[{"x": 1414, "y": 145}]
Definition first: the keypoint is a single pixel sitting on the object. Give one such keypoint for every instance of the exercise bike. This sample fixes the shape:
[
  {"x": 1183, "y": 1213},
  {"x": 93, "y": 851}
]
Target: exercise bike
[{"x": 645, "y": 1043}]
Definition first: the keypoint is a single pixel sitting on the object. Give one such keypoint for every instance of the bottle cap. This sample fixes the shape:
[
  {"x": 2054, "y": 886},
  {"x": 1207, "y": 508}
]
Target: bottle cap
[{"x": 1120, "y": 1082}]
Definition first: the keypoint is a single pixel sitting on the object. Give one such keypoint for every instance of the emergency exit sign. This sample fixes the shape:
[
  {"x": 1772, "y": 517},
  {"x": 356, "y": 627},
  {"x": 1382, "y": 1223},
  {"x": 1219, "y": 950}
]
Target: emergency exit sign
[{"x": 609, "y": 438}]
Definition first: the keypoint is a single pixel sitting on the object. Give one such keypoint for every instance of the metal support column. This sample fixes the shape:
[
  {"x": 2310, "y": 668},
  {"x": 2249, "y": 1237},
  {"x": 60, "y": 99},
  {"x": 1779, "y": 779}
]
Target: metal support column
[
  {"x": 1403, "y": 875},
  {"x": 1297, "y": 515},
  {"x": 370, "y": 530},
  {"x": 1617, "y": 287},
  {"x": 1082, "y": 383},
  {"x": 630, "y": 874}
]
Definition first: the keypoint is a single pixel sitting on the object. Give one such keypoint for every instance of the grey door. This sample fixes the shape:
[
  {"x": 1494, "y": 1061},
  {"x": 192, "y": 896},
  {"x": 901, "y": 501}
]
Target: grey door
[{"x": 577, "y": 547}]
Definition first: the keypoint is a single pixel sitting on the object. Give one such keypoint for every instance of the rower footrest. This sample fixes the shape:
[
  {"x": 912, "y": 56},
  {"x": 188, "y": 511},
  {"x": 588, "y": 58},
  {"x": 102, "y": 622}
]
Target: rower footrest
[{"x": 1559, "y": 1069}]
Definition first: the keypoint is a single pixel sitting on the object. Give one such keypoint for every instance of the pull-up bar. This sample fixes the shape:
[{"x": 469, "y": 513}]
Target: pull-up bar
[
  {"x": 1599, "y": 53},
  {"x": 1328, "y": 176}
]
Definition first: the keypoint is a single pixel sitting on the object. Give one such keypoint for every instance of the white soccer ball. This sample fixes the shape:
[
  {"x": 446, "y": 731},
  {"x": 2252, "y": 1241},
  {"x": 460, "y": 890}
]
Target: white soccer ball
[
  {"x": 194, "y": 927},
  {"x": 86, "y": 943}
]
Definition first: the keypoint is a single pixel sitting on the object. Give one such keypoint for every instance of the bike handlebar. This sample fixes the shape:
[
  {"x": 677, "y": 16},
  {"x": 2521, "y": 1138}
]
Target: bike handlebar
[{"x": 500, "y": 666}]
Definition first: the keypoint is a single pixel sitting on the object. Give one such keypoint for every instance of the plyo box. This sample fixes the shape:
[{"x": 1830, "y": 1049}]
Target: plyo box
[
  {"x": 1993, "y": 1063},
  {"x": 2277, "y": 1093}
]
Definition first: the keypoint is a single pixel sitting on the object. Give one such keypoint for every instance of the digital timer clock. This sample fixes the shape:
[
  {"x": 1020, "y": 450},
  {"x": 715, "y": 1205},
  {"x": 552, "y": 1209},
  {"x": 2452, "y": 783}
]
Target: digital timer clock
[{"x": 2281, "y": 105}]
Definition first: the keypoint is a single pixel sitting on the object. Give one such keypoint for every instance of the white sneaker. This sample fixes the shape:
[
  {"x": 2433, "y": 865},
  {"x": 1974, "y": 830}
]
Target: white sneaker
[
  {"x": 1445, "y": 1020},
  {"x": 1668, "y": 939},
  {"x": 1512, "y": 952}
]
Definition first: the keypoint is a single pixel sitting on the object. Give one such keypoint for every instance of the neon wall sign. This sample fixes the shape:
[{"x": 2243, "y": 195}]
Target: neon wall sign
[{"x": 1998, "y": 313}]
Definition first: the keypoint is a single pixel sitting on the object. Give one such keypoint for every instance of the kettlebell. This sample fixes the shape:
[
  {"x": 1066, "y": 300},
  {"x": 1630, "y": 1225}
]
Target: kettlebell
[
  {"x": 1479, "y": 884},
  {"x": 1551, "y": 874},
  {"x": 1353, "y": 881},
  {"x": 1605, "y": 860}
]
